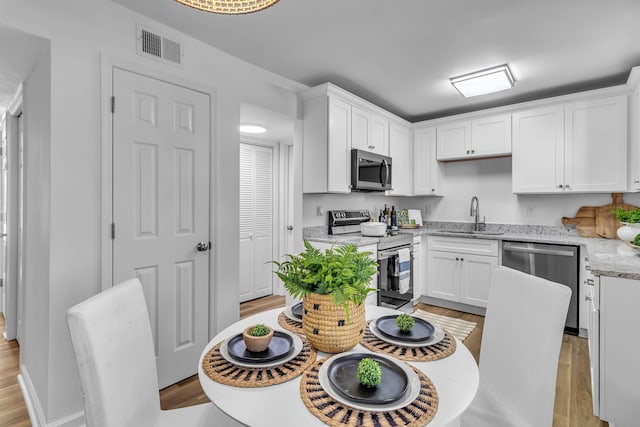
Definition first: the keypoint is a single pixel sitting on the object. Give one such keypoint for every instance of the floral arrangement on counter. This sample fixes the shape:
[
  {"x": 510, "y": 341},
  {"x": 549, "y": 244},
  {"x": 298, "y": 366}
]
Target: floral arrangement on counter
[
  {"x": 405, "y": 322},
  {"x": 369, "y": 372}
]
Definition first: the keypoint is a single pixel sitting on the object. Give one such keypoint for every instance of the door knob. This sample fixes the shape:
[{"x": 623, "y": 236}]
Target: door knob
[
  {"x": 289, "y": 227},
  {"x": 203, "y": 246}
]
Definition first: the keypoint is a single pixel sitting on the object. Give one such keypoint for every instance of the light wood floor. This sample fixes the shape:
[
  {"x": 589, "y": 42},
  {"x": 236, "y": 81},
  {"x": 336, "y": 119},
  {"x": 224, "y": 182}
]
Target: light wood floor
[{"x": 573, "y": 395}]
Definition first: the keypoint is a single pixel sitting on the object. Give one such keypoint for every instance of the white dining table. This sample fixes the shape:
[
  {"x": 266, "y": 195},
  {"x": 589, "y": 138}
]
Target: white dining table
[{"x": 455, "y": 378}]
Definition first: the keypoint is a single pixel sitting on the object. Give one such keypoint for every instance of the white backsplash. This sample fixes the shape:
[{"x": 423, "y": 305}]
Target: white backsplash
[{"x": 488, "y": 179}]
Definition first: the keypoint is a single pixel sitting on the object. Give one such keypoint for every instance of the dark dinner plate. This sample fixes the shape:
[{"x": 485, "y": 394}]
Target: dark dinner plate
[
  {"x": 279, "y": 347},
  {"x": 296, "y": 310},
  {"x": 343, "y": 376},
  {"x": 420, "y": 332}
]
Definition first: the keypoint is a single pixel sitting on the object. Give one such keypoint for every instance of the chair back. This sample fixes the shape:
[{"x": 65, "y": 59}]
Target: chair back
[
  {"x": 114, "y": 349},
  {"x": 521, "y": 342}
]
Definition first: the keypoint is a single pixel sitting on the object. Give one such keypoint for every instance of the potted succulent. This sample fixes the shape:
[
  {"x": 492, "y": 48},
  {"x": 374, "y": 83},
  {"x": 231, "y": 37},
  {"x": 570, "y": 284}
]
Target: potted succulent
[
  {"x": 405, "y": 322},
  {"x": 333, "y": 285},
  {"x": 369, "y": 372},
  {"x": 631, "y": 220},
  {"x": 257, "y": 338}
]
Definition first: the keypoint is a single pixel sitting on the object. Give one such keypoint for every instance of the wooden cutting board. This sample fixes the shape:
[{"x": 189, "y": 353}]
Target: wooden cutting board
[
  {"x": 585, "y": 221},
  {"x": 606, "y": 223}
]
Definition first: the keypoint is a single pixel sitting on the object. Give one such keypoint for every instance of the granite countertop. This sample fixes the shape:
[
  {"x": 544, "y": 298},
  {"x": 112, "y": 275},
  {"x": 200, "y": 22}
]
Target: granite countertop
[{"x": 608, "y": 257}]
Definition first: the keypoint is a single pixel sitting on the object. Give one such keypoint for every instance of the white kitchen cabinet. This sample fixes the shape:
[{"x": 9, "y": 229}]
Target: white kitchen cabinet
[
  {"x": 460, "y": 270},
  {"x": 618, "y": 347},
  {"x": 427, "y": 176},
  {"x": 574, "y": 147},
  {"x": 326, "y": 148},
  {"x": 482, "y": 137},
  {"x": 369, "y": 131},
  {"x": 401, "y": 151},
  {"x": 634, "y": 139}
]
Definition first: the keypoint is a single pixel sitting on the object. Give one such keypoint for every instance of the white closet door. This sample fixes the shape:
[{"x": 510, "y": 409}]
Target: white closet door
[{"x": 256, "y": 221}]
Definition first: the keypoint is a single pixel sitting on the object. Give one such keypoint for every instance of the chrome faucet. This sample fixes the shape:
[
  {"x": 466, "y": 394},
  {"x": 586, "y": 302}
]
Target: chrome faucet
[{"x": 475, "y": 212}]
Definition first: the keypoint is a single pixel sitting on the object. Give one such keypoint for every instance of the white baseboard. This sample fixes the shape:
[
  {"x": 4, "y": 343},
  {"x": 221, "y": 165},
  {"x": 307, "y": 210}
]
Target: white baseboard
[{"x": 36, "y": 415}]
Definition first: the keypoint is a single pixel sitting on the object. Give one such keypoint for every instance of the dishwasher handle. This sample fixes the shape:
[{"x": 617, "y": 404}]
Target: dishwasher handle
[{"x": 509, "y": 247}]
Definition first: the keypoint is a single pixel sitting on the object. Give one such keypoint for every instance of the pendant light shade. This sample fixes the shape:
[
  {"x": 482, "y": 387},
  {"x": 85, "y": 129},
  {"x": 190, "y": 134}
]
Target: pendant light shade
[{"x": 229, "y": 7}]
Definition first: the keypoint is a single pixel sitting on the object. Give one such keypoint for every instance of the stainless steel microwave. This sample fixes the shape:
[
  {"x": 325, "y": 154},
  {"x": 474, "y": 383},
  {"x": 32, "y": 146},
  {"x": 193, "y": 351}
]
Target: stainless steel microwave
[{"x": 370, "y": 171}]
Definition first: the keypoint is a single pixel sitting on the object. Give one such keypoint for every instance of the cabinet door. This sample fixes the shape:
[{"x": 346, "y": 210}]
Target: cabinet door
[
  {"x": 360, "y": 124},
  {"x": 538, "y": 150},
  {"x": 339, "y": 155},
  {"x": 426, "y": 170},
  {"x": 379, "y": 135},
  {"x": 443, "y": 273},
  {"x": 401, "y": 160},
  {"x": 491, "y": 136},
  {"x": 454, "y": 141},
  {"x": 634, "y": 141},
  {"x": 596, "y": 145},
  {"x": 475, "y": 278}
]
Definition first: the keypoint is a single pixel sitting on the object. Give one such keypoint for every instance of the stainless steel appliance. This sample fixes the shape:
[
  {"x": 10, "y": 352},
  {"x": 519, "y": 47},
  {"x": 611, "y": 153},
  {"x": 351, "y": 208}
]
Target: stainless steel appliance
[
  {"x": 558, "y": 263},
  {"x": 348, "y": 222},
  {"x": 370, "y": 171}
]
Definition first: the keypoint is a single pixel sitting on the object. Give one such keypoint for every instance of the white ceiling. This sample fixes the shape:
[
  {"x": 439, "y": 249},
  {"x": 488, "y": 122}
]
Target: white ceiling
[
  {"x": 400, "y": 54},
  {"x": 18, "y": 55}
]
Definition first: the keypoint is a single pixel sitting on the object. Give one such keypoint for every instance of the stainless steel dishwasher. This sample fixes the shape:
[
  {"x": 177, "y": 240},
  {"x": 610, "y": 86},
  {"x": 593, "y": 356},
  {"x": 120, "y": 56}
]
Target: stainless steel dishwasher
[{"x": 558, "y": 263}]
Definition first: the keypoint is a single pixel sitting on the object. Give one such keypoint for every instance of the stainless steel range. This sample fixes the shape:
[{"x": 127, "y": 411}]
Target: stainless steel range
[{"x": 389, "y": 246}]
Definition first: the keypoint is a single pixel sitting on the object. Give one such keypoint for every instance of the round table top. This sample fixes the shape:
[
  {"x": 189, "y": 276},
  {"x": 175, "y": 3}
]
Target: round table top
[{"x": 455, "y": 377}]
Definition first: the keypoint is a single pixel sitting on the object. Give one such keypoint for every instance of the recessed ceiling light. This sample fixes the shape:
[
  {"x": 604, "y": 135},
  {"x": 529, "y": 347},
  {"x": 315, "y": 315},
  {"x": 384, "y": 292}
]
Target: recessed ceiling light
[
  {"x": 485, "y": 81},
  {"x": 252, "y": 129}
]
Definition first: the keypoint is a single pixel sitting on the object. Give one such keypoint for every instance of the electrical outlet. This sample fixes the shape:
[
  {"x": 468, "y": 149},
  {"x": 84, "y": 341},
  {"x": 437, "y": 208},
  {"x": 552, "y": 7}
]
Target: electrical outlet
[{"x": 531, "y": 211}]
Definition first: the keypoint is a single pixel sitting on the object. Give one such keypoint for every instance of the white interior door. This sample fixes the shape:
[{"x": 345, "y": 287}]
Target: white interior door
[
  {"x": 256, "y": 221},
  {"x": 290, "y": 244},
  {"x": 161, "y": 212}
]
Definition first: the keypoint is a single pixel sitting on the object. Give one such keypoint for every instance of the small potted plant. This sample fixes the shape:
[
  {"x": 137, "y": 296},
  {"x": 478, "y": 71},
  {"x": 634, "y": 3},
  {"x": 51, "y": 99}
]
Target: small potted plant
[
  {"x": 333, "y": 285},
  {"x": 257, "y": 338},
  {"x": 405, "y": 322},
  {"x": 631, "y": 220},
  {"x": 369, "y": 372}
]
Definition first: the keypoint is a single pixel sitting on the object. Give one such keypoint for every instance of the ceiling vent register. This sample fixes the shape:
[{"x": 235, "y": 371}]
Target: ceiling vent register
[{"x": 153, "y": 45}]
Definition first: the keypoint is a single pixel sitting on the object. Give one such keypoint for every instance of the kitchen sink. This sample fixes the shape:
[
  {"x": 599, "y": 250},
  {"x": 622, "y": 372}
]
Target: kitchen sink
[{"x": 472, "y": 232}]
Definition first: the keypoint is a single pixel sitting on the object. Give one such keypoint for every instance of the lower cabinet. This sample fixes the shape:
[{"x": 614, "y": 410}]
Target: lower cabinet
[
  {"x": 456, "y": 272},
  {"x": 615, "y": 386}
]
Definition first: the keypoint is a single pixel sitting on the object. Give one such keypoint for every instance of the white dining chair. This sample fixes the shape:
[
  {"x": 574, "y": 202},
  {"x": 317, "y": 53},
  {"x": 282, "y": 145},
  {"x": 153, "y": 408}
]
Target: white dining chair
[
  {"x": 519, "y": 353},
  {"x": 114, "y": 350}
]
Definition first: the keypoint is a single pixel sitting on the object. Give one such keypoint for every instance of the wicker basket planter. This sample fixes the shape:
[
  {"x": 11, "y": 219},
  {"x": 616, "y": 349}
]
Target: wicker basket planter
[{"x": 325, "y": 323}]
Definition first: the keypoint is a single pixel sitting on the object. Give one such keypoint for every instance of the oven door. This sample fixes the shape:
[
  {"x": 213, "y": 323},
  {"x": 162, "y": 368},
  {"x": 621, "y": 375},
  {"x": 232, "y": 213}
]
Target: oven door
[{"x": 389, "y": 279}]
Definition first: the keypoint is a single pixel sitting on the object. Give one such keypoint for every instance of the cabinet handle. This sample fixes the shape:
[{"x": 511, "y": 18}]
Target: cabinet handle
[
  {"x": 566, "y": 186},
  {"x": 371, "y": 147},
  {"x": 637, "y": 181},
  {"x": 588, "y": 298},
  {"x": 457, "y": 259},
  {"x": 560, "y": 186},
  {"x": 468, "y": 152},
  {"x": 433, "y": 190},
  {"x": 473, "y": 151},
  {"x": 461, "y": 259}
]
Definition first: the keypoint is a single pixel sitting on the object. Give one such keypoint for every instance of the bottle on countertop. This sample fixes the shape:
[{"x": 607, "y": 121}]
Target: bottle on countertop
[
  {"x": 387, "y": 216},
  {"x": 394, "y": 217},
  {"x": 381, "y": 217}
]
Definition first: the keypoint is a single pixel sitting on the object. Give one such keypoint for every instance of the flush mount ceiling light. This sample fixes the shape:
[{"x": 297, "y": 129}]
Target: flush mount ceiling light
[
  {"x": 485, "y": 81},
  {"x": 228, "y": 7},
  {"x": 252, "y": 128}
]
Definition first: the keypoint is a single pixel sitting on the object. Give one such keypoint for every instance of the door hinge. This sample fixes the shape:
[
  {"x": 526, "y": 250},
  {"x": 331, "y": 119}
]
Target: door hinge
[
  {"x": 113, "y": 104},
  {"x": 113, "y": 230}
]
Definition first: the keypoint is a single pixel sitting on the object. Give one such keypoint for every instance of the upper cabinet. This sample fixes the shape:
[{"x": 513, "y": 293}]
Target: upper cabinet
[
  {"x": 634, "y": 128},
  {"x": 327, "y": 145},
  {"x": 482, "y": 137},
  {"x": 427, "y": 177},
  {"x": 574, "y": 147},
  {"x": 369, "y": 131},
  {"x": 401, "y": 151}
]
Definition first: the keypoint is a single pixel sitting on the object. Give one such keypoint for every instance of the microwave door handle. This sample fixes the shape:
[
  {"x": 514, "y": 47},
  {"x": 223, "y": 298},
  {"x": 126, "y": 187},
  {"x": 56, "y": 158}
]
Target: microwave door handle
[{"x": 384, "y": 165}]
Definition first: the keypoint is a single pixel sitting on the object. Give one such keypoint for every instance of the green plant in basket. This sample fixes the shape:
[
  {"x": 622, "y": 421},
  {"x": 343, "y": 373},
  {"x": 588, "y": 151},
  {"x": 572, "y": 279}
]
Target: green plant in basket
[
  {"x": 636, "y": 241},
  {"x": 369, "y": 372},
  {"x": 631, "y": 216},
  {"x": 405, "y": 322},
  {"x": 341, "y": 271},
  {"x": 259, "y": 331}
]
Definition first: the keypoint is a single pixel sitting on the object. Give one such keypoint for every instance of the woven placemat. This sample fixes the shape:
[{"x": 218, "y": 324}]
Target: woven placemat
[
  {"x": 429, "y": 353},
  {"x": 219, "y": 369},
  {"x": 320, "y": 404},
  {"x": 290, "y": 325}
]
